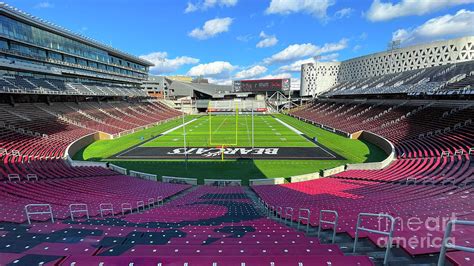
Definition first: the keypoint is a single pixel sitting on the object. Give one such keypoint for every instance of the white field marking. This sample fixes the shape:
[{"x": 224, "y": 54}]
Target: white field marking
[
  {"x": 247, "y": 126},
  {"x": 222, "y": 123},
  {"x": 290, "y": 127},
  {"x": 178, "y": 127},
  {"x": 284, "y": 139},
  {"x": 301, "y": 133},
  {"x": 278, "y": 133},
  {"x": 162, "y": 134}
]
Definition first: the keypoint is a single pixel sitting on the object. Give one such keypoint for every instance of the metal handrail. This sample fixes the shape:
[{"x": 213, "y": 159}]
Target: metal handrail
[
  {"x": 446, "y": 244},
  {"x": 389, "y": 233},
  {"x": 103, "y": 207},
  {"x": 279, "y": 212},
  {"x": 308, "y": 213},
  {"x": 140, "y": 204},
  {"x": 13, "y": 177},
  {"x": 151, "y": 202},
  {"x": 126, "y": 207},
  {"x": 160, "y": 200},
  {"x": 28, "y": 213},
  {"x": 289, "y": 215},
  {"x": 29, "y": 177},
  {"x": 85, "y": 209},
  {"x": 333, "y": 223}
]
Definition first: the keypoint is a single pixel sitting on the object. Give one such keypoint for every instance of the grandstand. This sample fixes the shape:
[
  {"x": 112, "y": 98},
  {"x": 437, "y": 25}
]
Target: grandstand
[{"x": 58, "y": 211}]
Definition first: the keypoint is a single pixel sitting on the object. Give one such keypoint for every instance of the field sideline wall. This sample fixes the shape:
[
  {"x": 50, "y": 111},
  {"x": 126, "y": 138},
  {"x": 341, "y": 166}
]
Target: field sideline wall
[
  {"x": 81, "y": 143},
  {"x": 380, "y": 142}
]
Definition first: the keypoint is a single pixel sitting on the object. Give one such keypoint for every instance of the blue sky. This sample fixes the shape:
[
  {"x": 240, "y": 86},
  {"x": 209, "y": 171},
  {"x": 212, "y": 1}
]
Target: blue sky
[{"x": 229, "y": 39}]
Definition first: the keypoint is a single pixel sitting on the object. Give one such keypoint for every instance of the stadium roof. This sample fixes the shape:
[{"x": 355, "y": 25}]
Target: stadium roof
[
  {"x": 184, "y": 88},
  {"x": 38, "y": 22}
]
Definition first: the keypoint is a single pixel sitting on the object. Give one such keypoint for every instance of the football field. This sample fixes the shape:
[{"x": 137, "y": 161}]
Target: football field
[
  {"x": 289, "y": 146},
  {"x": 232, "y": 137},
  {"x": 231, "y": 130}
]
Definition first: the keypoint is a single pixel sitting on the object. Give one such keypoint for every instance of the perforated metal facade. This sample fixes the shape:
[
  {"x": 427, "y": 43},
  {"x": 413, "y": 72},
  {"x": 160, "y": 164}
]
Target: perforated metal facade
[{"x": 317, "y": 78}]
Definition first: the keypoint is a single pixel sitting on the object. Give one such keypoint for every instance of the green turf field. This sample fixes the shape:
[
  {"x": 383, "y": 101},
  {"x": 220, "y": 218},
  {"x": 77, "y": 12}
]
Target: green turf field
[
  {"x": 355, "y": 151},
  {"x": 231, "y": 130}
]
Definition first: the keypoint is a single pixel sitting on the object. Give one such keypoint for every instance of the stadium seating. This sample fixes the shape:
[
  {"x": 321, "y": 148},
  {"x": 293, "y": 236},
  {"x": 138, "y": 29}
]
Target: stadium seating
[
  {"x": 52, "y": 86},
  {"x": 439, "y": 79},
  {"x": 351, "y": 197},
  {"x": 96, "y": 187},
  {"x": 42, "y": 132},
  {"x": 206, "y": 224}
]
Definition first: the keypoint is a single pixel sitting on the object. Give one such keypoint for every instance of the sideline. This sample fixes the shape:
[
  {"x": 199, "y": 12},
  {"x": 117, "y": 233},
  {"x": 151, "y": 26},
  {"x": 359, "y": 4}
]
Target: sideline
[
  {"x": 178, "y": 127},
  {"x": 290, "y": 127}
]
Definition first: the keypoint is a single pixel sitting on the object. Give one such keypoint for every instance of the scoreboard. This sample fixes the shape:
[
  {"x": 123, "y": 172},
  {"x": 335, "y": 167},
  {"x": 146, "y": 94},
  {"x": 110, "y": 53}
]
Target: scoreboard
[{"x": 262, "y": 85}]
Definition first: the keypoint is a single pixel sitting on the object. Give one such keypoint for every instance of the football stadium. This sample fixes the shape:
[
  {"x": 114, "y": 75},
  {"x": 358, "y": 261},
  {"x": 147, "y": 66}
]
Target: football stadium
[{"x": 110, "y": 158}]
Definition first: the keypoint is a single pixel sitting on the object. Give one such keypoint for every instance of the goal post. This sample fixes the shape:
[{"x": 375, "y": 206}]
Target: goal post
[{"x": 221, "y": 132}]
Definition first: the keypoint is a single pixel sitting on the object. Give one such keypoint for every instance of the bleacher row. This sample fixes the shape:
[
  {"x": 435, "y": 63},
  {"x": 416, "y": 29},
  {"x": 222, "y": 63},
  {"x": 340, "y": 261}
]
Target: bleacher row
[
  {"x": 407, "y": 203},
  {"x": 51, "y": 86},
  {"x": 204, "y": 226},
  {"x": 417, "y": 130},
  {"x": 433, "y": 175},
  {"x": 222, "y": 226},
  {"x": 447, "y": 79},
  {"x": 41, "y": 131}
]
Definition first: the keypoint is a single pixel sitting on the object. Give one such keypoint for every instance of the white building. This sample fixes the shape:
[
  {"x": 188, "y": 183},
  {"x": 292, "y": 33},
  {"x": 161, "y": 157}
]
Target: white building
[{"x": 319, "y": 77}]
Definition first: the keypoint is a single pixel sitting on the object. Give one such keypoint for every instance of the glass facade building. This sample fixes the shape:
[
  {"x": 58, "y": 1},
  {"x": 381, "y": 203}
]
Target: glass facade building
[{"x": 25, "y": 37}]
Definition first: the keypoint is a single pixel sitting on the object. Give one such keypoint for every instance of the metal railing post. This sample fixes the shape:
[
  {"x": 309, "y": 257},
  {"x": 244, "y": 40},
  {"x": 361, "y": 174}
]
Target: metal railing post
[
  {"x": 446, "y": 244},
  {"x": 29, "y": 213},
  {"x": 289, "y": 214},
  {"x": 334, "y": 223},
  {"x": 389, "y": 233},
  {"x": 307, "y": 218},
  {"x": 85, "y": 209},
  {"x": 103, "y": 207}
]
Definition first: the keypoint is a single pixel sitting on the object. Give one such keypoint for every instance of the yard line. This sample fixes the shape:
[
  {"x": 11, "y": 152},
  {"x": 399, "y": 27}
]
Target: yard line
[
  {"x": 290, "y": 127},
  {"x": 222, "y": 123},
  {"x": 178, "y": 127},
  {"x": 247, "y": 126}
]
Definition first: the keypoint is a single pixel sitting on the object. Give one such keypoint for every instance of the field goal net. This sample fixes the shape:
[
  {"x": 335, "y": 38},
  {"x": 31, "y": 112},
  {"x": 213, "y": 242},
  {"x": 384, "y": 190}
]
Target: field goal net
[{"x": 223, "y": 119}]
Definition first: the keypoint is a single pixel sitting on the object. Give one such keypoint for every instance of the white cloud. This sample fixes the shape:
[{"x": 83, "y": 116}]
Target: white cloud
[
  {"x": 217, "y": 70},
  {"x": 225, "y": 81},
  {"x": 343, "y": 13},
  {"x": 251, "y": 72},
  {"x": 209, "y": 4},
  {"x": 211, "y": 28},
  {"x": 278, "y": 76},
  {"x": 296, "y": 51},
  {"x": 266, "y": 40},
  {"x": 190, "y": 8},
  {"x": 379, "y": 11},
  {"x": 317, "y": 8},
  {"x": 166, "y": 65},
  {"x": 357, "y": 48},
  {"x": 296, "y": 66},
  {"x": 447, "y": 26},
  {"x": 244, "y": 38},
  {"x": 45, "y": 4}
]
